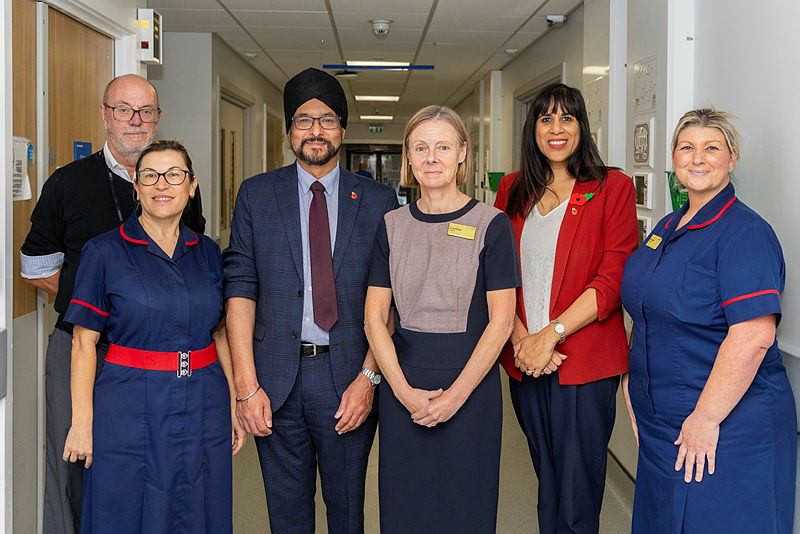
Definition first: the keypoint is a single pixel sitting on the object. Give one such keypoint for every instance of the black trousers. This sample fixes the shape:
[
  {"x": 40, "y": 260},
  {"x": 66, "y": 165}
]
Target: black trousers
[{"x": 568, "y": 428}]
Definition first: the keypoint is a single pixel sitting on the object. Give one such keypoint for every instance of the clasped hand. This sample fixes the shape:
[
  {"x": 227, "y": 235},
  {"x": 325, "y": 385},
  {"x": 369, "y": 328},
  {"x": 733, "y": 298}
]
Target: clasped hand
[
  {"x": 535, "y": 355},
  {"x": 429, "y": 408}
]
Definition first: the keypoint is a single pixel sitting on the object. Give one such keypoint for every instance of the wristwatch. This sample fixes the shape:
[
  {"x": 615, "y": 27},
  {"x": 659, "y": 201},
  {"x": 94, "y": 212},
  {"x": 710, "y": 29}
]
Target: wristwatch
[
  {"x": 559, "y": 328},
  {"x": 374, "y": 378}
]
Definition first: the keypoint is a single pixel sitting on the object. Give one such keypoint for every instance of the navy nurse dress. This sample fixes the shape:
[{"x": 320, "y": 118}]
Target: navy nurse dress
[
  {"x": 684, "y": 288},
  {"x": 161, "y": 444}
]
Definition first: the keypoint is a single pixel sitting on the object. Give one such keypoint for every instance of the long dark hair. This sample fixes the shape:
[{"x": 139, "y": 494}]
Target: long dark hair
[{"x": 535, "y": 174}]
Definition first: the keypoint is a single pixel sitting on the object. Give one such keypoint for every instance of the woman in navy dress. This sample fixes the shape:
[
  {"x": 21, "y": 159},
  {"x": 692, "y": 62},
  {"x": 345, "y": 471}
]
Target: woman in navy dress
[
  {"x": 710, "y": 398},
  {"x": 155, "y": 427},
  {"x": 449, "y": 262}
]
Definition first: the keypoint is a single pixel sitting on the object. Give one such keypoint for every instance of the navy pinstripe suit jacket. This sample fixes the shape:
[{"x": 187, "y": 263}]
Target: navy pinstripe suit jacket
[{"x": 264, "y": 262}]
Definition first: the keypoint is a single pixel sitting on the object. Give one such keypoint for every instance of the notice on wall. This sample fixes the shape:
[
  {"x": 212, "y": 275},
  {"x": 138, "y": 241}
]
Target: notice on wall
[
  {"x": 645, "y": 84},
  {"x": 23, "y": 154}
]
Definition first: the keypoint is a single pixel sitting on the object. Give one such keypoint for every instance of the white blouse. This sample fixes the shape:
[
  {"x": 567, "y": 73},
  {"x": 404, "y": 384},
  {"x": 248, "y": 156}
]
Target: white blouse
[{"x": 537, "y": 256}]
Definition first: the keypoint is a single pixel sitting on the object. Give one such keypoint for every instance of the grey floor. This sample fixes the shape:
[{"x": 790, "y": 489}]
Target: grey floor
[{"x": 517, "y": 505}]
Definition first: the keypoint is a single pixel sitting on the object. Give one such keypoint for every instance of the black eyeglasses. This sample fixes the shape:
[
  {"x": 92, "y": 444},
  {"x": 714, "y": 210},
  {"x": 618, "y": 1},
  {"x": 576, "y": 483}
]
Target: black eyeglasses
[
  {"x": 328, "y": 122},
  {"x": 172, "y": 176},
  {"x": 125, "y": 113}
]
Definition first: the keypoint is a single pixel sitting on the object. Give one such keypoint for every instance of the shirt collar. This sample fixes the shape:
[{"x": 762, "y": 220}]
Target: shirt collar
[
  {"x": 708, "y": 214},
  {"x": 330, "y": 180},
  {"x": 132, "y": 232},
  {"x": 115, "y": 166}
]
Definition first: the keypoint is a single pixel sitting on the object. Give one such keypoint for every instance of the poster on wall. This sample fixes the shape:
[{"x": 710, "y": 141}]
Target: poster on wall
[
  {"x": 645, "y": 78},
  {"x": 643, "y": 143},
  {"x": 644, "y": 192}
]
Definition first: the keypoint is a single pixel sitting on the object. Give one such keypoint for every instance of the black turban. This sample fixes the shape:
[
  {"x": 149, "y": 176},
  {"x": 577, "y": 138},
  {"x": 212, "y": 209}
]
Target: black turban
[{"x": 314, "y": 83}]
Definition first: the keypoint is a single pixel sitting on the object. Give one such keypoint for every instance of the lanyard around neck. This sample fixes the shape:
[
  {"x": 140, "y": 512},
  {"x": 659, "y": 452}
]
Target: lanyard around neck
[{"x": 114, "y": 195}]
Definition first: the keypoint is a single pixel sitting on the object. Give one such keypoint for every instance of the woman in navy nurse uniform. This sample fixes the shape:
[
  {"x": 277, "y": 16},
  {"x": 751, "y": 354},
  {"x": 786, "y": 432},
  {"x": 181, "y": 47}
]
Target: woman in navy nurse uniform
[
  {"x": 155, "y": 427},
  {"x": 710, "y": 397}
]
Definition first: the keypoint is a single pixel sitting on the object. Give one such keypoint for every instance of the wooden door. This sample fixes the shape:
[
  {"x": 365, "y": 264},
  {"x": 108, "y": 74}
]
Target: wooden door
[{"x": 80, "y": 62}]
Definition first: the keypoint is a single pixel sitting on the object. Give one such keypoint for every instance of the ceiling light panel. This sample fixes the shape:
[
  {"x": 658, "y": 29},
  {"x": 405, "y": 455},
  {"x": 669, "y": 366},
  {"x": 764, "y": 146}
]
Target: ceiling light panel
[
  {"x": 377, "y": 117},
  {"x": 366, "y": 98},
  {"x": 377, "y": 63}
]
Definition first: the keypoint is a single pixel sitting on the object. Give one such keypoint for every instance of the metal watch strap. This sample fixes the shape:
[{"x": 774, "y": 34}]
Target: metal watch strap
[
  {"x": 560, "y": 331},
  {"x": 372, "y": 376}
]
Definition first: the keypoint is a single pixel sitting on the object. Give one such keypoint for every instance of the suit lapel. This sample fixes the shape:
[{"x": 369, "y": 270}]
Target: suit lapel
[
  {"x": 289, "y": 202},
  {"x": 349, "y": 200},
  {"x": 566, "y": 237}
]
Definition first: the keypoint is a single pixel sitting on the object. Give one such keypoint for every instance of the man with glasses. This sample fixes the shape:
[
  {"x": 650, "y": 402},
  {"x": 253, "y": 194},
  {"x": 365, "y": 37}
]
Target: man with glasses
[
  {"x": 295, "y": 281},
  {"x": 78, "y": 202}
]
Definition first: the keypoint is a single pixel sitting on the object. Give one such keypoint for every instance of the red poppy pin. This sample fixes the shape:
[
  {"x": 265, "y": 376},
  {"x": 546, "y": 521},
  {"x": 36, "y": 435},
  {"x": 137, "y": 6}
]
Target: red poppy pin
[
  {"x": 579, "y": 199},
  {"x": 353, "y": 195}
]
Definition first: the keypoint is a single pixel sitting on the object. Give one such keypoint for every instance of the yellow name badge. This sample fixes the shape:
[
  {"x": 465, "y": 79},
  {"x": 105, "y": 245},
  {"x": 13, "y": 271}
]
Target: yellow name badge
[
  {"x": 461, "y": 230},
  {"x": 654, "y": 241}
]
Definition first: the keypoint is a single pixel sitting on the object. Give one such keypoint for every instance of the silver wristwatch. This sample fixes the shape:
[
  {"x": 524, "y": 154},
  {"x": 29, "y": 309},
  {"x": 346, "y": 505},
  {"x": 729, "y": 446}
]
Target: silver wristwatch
[
  {"x": 559, "y": 328},
  {"x": 374, "y": 378}
]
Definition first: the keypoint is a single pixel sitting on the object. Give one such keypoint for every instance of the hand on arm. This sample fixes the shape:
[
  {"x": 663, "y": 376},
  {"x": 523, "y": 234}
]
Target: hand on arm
[
  {"x": 501, "y": 324},
  {"x": 735, "y": 366},
  {"x": 84, "y": 365},
  {"x": 537, "y": 352},
  {"x": 254, "y": 413},
  {"x": 238, "y": 433}
]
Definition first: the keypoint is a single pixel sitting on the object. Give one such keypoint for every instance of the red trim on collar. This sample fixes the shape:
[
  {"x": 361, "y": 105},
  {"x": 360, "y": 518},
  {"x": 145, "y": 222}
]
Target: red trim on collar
[
  {"x": 666, "y": 225},
  {"x": 717, "y": 216},
  {"x": 93, "y": 308},
  {"x": 751, "y": 295},
  {"x": 196, "y": 240},
  {"x": 132, "y": 240}
]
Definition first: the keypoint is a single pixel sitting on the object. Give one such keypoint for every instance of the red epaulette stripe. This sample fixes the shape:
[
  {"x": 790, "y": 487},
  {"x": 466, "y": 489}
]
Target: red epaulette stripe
[
  {"x": 126, "y": 238},
  {"x": 717, "y": 216},
  {"x": 93, "y": 308},
  {"x": 751, "y": 295}
]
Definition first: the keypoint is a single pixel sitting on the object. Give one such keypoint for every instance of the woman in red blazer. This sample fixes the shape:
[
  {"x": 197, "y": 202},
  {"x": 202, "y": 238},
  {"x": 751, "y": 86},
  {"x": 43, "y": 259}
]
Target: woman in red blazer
[{"x": 575, "y": 224}]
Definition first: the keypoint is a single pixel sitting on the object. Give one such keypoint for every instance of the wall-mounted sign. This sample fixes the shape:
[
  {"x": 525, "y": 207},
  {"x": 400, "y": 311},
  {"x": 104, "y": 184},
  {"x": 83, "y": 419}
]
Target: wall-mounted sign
[
  {"x": 642, "y": 143},
  {"x": 150, "y": 47},
  {"x": 375, "y": 128},
  {"x": 644, "y": 193}
]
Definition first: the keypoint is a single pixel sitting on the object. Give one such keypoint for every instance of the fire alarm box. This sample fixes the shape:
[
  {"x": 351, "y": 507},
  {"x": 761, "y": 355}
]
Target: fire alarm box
[{"x": 150, "y": 47}]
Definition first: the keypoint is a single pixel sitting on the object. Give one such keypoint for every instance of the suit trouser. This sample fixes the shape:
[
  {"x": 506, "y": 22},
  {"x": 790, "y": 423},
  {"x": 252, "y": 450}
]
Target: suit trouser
[
  {"x": 568, "y": 428},
  {"x": 63, "y": 488},
  {"x": 303, "y": 437}
]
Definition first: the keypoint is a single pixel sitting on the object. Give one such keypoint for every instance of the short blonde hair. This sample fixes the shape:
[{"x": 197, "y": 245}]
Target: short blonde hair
[
  {"x": 709, "y": 118},
  {"x": 442, "y": 113}
]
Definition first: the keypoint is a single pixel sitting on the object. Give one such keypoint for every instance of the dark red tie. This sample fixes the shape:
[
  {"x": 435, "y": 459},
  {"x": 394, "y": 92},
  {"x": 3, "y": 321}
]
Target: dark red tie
[{"x": 323, "y": 290}]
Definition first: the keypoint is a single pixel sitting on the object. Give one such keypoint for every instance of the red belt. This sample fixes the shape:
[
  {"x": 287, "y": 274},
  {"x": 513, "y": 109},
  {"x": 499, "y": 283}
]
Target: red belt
[{"x": 181, "y": 362}]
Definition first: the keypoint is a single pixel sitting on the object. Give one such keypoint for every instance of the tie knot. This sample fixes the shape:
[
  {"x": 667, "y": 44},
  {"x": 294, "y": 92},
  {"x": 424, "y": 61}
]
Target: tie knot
[{"x": 317, "y": 187}]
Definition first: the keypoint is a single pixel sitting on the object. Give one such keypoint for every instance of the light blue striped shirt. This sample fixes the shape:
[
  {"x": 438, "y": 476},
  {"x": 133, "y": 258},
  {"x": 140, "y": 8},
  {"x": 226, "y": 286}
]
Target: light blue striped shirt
[{"x": 310, "y": 331}]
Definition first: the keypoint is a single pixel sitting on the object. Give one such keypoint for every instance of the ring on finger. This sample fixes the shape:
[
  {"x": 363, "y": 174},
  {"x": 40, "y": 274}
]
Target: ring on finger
[{"x": 529, "y": 372}]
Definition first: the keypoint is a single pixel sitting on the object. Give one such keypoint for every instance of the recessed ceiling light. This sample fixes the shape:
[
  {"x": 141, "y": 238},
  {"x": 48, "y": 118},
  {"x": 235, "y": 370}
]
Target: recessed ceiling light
[
  {"x": 377, "y": 63},
  {"x": 365, "y": 98},
  {"x": 377, "y": 117}
]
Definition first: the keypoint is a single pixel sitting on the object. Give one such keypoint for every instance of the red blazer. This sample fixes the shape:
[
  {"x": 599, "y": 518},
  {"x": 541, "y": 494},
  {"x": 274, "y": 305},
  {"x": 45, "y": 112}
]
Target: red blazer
[{"x": 594, "y": 241}]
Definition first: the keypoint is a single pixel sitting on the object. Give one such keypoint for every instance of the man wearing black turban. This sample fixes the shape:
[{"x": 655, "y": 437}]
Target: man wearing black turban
[{"x": 295, "y": 278}]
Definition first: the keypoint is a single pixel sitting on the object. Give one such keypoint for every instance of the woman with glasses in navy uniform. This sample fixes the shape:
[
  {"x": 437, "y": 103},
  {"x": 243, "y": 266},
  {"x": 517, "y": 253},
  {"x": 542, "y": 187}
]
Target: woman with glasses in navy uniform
[
  {"x": 710, "y": 399},
  {"x": 155, "y": 427}
]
